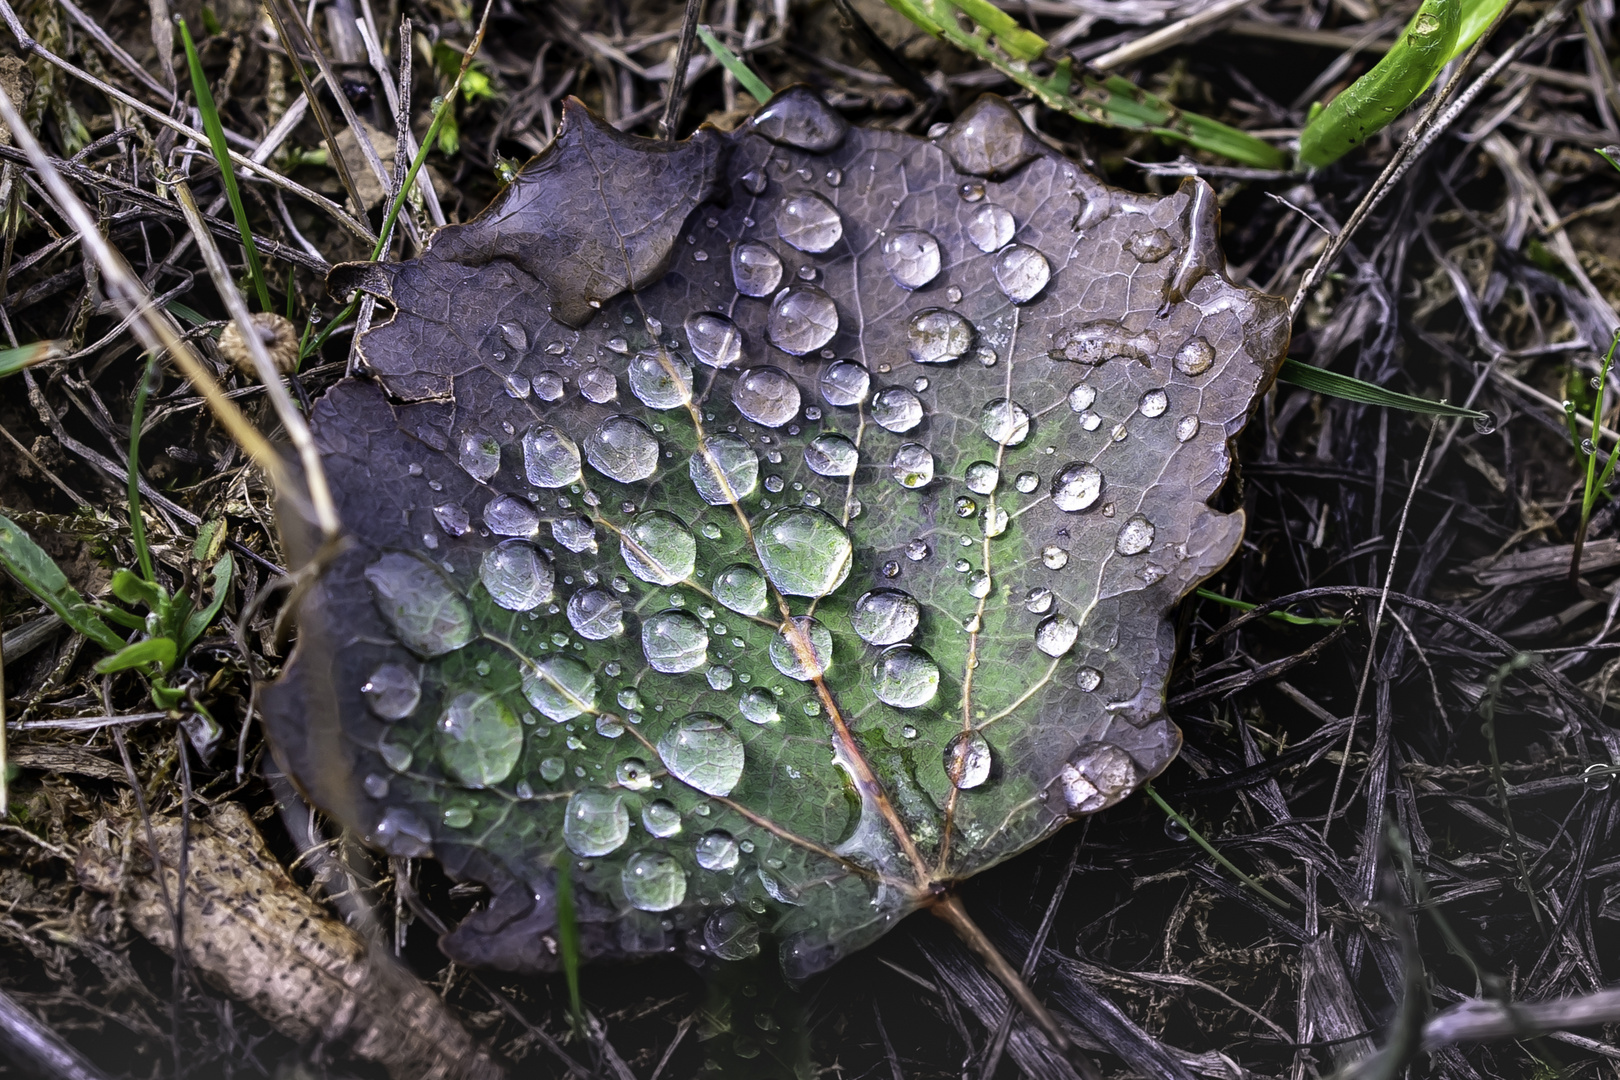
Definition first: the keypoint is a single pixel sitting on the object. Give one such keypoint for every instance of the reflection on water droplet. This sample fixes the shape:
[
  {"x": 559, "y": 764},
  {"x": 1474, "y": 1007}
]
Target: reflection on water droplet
[
  {"x": 480, "y": 455},
  {"x": 714, "y": 339},
  {"x": 896, "y": 409},
  {"x": 724, "y": 470},
  {"x": 403, "y": 834},
  {"x": 674, "y": 642},
  {"x": 548, "y": 386},
  {"x": 968, "y": 760},
  {"x": 804, "y": 551},
  {"x": 508, "y": 515},
  {"x": 1082, "y": 396},
  {"x": 1150, "y": 246},
  {"x": 831, "y": 455},
  {"x": 938, "y": 336},
  {"x": 1485, "y": 424},
  {"x": 703, "y": 753},
  {"x": 479, "y": 739},
  {"x": 598, "y": 385},
  {"x": 741, "y": 589},
  {"x": 428, "y": 616},
  {"x": 1102, "y": 340},
  {"x": 1088, "y": 679},
  {"x": 622, "y": 449},
  {"x": 658, "y": 548},
  {"x": 1186, "y": 428},
  {"x": 551, "y": 769},
  {"x": 808, "y": 222},
  {"x": 1005, "y": 422},
  {"x": 917, "y": 550},
  {"x": 1135, "y": 536},
  {"x": 1195, "y": 357},
  {"x": 759, "y": 706},
  {"x": 595, "y": 614},
  {"x": 845, "y": 383},
  {"x": 1096, "y": 775},
  {"x": 595, "y": 823},
  {"x": 560, "y": 687},
  {"x": 802, "y": 649},
  {"x": 802, "y": 319},
  {"x": 453, "y": 519},
  {"x": 766, "y": 395},
  {"x": 717, "y": 851},
  {"x": 754, "y": 181},
  {"x": 912, "y": 257},
  {"x": 989, "y": 139},
  {"x": 885, "y": 616},
  {"x": 550, "y": 458},
  {"x": 905, "y": 677},
  {"x": 1154, "y": 403},
  {"x": 1056, "y": 634},
  {"x": 1021, "y": 272},
  {"x": 1077, "y": 486},
  {"x": 990, "y": 228},
  {"x": 982, "y": 477},
  {"x": 719, "y": 677},
  {"x": 756, "y": 270},
  {"x": 661, "y": 819},
  {"x": 913, "y": 465},
  {"x": 660, "y": 379},
  {"x": 517, "y": 576},
  {"x": 799, "y": 117},
  {"x": 731, "y": 935},
  {"x": 392, "y": 692}
]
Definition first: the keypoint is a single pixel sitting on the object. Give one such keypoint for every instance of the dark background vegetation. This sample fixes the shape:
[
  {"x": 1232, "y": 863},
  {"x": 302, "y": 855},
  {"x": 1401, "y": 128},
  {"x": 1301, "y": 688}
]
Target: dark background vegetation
[{"x": 1460, "y": 287}]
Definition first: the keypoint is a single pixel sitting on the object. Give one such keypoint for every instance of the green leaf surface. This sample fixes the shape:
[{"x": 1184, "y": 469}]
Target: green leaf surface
[
  {"x": 38, "y": 573},
  {"x": 1321, "y": 381},
  {"x": 198, "y": 621},
  {"x": 154, "y": 650},
  {"x": 772, "y": 528}
]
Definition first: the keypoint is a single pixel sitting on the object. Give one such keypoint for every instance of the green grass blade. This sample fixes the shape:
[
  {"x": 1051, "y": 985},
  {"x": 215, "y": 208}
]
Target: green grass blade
[
  {"x": 152, "y": 650},
  {"x": 38, "y": 573},
  {"x": 1020, "y": 43},
  {"x": 227, "y": 173},
  {"x": 1280, "y": 616},
  {"x": 26, "y": 356},
  {"x": 735, "y": 64},
  {"x": 1477, "y": 16},
  {"x": 1331, "y": 383},
  {"x": 132, "y": 471},
  {"x": 568, "y": 942},
  {"x": 1198, "y": 838}
]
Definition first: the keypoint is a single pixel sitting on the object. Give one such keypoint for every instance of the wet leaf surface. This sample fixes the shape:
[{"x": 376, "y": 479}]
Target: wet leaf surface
[{"x": 779, "y": 525}]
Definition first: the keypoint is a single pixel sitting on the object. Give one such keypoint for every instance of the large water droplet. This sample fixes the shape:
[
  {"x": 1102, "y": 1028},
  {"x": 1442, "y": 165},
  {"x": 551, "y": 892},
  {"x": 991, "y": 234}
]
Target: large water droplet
[
  {"x": 1056, "y": 635},
  {"x": 1195, "y": 357},
  {"x": 674, "y": 642},
  {"x": 597, "y": 385},
  {"x": 1154, "y": 403},
  {"x": 756, "y": 270},
  {"x": 703, "y": 753},
  {"x": 658, "y": 548},
  {"x": 715, "y": 339},
  {"x": 1100, "y": 341},
  {"x": 831, "y": 454},
  {"x": 968, "y": 760},
  {"x": 427, "y": 615},
  {"x": 1082, "y": 396},
  {"x": 803, "y": 319},
  {"x": 560, "y": 687},
  {"x": 982, "y": 477},
  {"x": 766, "y": 395},
  {"x": 905, "y": 677},
  {"x": 742, "y": 589},
  {"x": 1076, "y": 486},
  {"x": 479, "y": 739},
  {"x": 1022, "y": 272},
  {"x": 990, "y": 228},
  {"x": 653, "y": 881},
  {"x": 989, "y": 139},
  {"x": 885, "y": 616},
  {"x": 804, "y": 551},
  {"x": 480, "y": 455},
  {"x": 845, "y": 383},
  {"x": 802, "y": 650},
  {"x": 595, "y": 614},
  {"x": 913, "y": 465},
  {"x": 896, "y": 409},
  {"x": 595, "y": 823},
  {"x": 392, "y": 692},
  {"x": 508, "y": 515},
  {"x": 660, "y": 379},
  {"x": 717, "y": 851},
  {"x": 912, "y": 257},
  {"x": 517, "y": 576},
  {"x": 550, "y": 458},
  {"x": 1135, "y": 536},
  {"x": 799, "y": 117},
  {"x": 731, "y": 935},
  {"x": 808, "y": 222},
  {"x": 758, "y": 706},
  {"x": 621, "y": 448},
  {"x": 661, "y": 819},
  {"x": 937, "y": 336},
  {"x": 574, "y": 533},
  {"x": 1150, "y": 246},
  {"x": 1005, "y": 422},
  {"x": 724, "y": 470},
  {"x": 1186, "y": 428}
]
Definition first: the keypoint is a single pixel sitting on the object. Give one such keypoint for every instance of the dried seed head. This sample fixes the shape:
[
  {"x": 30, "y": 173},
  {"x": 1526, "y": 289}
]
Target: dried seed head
[{"x": 279, "y": 337}]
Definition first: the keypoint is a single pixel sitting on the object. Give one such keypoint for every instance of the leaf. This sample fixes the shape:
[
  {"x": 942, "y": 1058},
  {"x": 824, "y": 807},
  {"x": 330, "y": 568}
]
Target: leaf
[
  {"x": 957, "y": 410},
  {"x": 152, "y": 650},
  {"x": 1322, "y": 381},
  {"x": 198, "y": 621},
  {"x": 38, "y": 573}
]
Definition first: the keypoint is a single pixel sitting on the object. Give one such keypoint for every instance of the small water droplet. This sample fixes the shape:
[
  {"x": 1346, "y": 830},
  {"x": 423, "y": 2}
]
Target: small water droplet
[
  {"x": 517, "y": 576},
  {"x": 717, "y": 851},
  {"x": 741, "y": 589},
  {"x": 633, "y": 774},
  {"x": 1082, "y": 397},
  {"x": 809, "y": 222},
  {"x": 758, "y": 706},
  {"x": 905, "y": 677},
  {"x": 661, "y": 819},
  {"x": 918, "y": 550},
  {"x": 1153, "y": 403},
  {"x": 982, "y": 477},
  {"x": 674, "y": 642},
  {"x": 595, "y": 614},
  {"x": 1077, "y": 486},
  {"x": 831, "y": 454},
  {"x": 427, "y": 615},
  {"x": 1485, "y": 424},
  {"x": 1186, "y": 428},
  {"x": 845, "y": 383},
  {"x": 731, "y": 935},
  {"x": 548, "y": 386},
  {"x": 896, "y": 409},
  {"x": 392, "y": 692},
  {"x": 912, "y": 257},
  {"x": 766, "y": 395},
  {"x": 1054, "y": 557},
  {"x": 508, "y": 515},
  {"x": 479, "y": 739},
  {"x": 938, "y": 336},
  {"x": 1135, "y": 536},
  {"x": 802, "y": 319},
  {"x": 1038, "y": 601},
  {"x": 560, "y": 687},
  {"x": 574, "y": 533},
  {"x": 799, "y": 117},
  {"x": 912, "y": 465},
  {"x": 1088, "y": 679},
  {"x": 653, "y": 881},
  {"x": 1195, "y": 357},
  {"x": 1021, "y": 272},
  {"x": 453, "y": 519},
  {"x": 968, "y": 760}
]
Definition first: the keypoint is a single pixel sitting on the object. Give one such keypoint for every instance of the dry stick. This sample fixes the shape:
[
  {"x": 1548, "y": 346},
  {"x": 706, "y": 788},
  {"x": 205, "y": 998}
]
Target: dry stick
[
  {"x": 102, "y": 38},
  {"x": 275, "y": 179},
  {"x": 1372, "y": 643},
  {"x": 1480, "y": 1021},
  {"x": 1423, "y": 133},
  {"x": 1168, "y": 36},
  {"x": 677, "y": 77},
  {"x": 399, "y": 107}
]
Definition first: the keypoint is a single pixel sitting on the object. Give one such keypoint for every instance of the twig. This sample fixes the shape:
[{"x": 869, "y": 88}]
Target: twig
[
  {"x": 1484, "y": 1021},
  {"x": 677, "y": 76},
  {"x": 25, "y": 1041},
  {"x": 1169, "y": 36}
]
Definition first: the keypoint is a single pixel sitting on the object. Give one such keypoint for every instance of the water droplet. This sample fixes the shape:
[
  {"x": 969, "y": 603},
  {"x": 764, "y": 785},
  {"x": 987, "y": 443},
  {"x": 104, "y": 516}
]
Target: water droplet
[
  {"x": 731, "y": 935},
  {"x": 832, "y": 455},
  {"x": 938, "y": 336},
  {"x": 804, "y": 551},
  {"x": 508, "y": 515},
  {"x": 560, "y": 687},
  {"x": 1088, "y": 679},
  {"x": 595, "y": 614},
  {"x": 375, "y": 785},
  {"x": 896, "y": 409},
  {"x": 965, "y": 507},
  {"x": 754, "y": 181},
  {"x": 400, "y": 832},
  {"x": 660, "y": 379},
  {"x": 724, "y": 470},
  {"x": 1485, "y": 424},
  {"x": 917, "y": 550},
  {"x": 905, "y": 677},
  {"x": 703, "y": 753},
  {"x": 714, "y": 339},
  {"x": 428, "y": 616},
  {"x": 989, "y": 139},
  {"x": 756, "y": 270},
  {"x": 1005, "y": 422},
  {"x": 1097, "y": 342},
  {"x": 912, "y": 257},
  {"x": 1021, "y": 272},
  {"x": 479, "y": 739},
  {"x": 1054, "y": 557},
  {"x": 758, "y": 706},
  {"x": 1153, "y": 403},
  {"x": 717, "y": 851},
  {"x": 971, "y": 192},
  {"x": 912, "y": 465},
  {"x": 1195, "y": 357},
  {"x": 574, "y": 533},
  {"x": 741, "y": 589},
  {"x": 480, "y": 455},
  {"x": 550, "y": 458},
  {"x": 1090, "y": 420},
  {"x": 392, "y": 692},
  {"x": 1077, "y": 486},
  {"x": 661, "y": 819},
  {"x": 720, "y": 677},
  {"x": 598, "y": 385},
  {"x": 674, "y": 642},
  {"x": 1082, "y": 397},
  {"x": 633, "y": 774},
  {"x": 799, "y": 117},
  {"x": 1026, "y": 482},
  {"x": 514, "y": 336},
  {"x": 990, "y": 228},
  {"x": 618, "y": 344},
  {"x": 658, "y": 548},
  {"x": 623, "y": 449},
  {"x": 453, "y": 519},
  {"x": 595, "y": 823},
  {"x": 766, "y": 395},
  {"x": 1135, "y": 536},
  {"x": 845, "y": 383},
  {"x": 1150, "y": 246},
  {"x": 517, "y": 576},
  {"x": 968, "y": 760},
  {"x": 1056, "y": 635},
  {"x": 548, "y": 386},
  {"x": 1186, "y": 428},
  {"x": 803, "y": 319},
  {"x": 982, "y": 477},
  {"x": 885, "y": 616},
  {"x": 1038, "y": 601},
  {"x": 808, "y": 222},
  {"x": 551, "y": 769},
  {"x": 1097, "y": 775},
  {"x": 802, "y": 649}
]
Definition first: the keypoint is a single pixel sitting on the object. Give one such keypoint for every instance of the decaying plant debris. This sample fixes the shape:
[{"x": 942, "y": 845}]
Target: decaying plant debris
[{"x": 1486, "y": 273}]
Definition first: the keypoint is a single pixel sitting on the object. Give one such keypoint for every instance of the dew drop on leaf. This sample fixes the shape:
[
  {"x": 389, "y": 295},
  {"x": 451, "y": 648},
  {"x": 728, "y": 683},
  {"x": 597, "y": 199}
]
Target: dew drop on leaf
[
  {"x": 799, "y": 117},
  {"x": 517, "y": 576},
  {"x": 429, "y": 617},
  {"x": 896, "y": 409},
  {"x": 1153, "y": 404},
  {"x": 653, "y": 881},
  {"x": 938, "y": 336},
  {"x": 766, "y": 395},
  {"x": 1195, "y": 357},
  {"x": 990, "y": 227},
  {"x": 392, "y": 692},
  {"x": 658, "y": 548},
  {"x": 802, "y": 649},
  {"x": 661, "y": 819},
  {"x": 1056, "y": 635},
  {"x": 660, "y": 379},
  {"x": 633, "y": 774},
  {"x": 758, "y": 706},
  {"x": 574, "y": 533},
  {"x": 717, "y": 851},
  {"x": 912, "y": 257},
  {"x": 508, "y": 515},
  {"x": 803, "y": 551},
  {"x": 480, "y": 455},
  {"x": 724, "y": 470},
  {"x": 550, "y": 458},
  {"x": 912, "y": 465},
  {"x": 674, "y": 642},
  {"x": 1004, "y": 422},
  {"x": 831, "y": 455},
  {"x": 560, "y": 687},
  {"x": 479, "y": 739},
  {"x": 595, "y": 614},
  {"x": 595, "y": 823},
  {"x": 1077, "y": 486},
  {"x": 808, "y": 222},
  {"x": 982, "y": 477},
  {"x": 802, "y": 319},
  {"x": 598, "y": 386},
  {"x": 1149, "y": 246},
  {"x": 731, "y": 935},
  {"x": 756, "y": 270},
  {"x": 703, "y": 753},
  {"x": 453, "y": 519},
  {"x": 845, "y": 384},
  {"x": 714, "y": 339},
  {"x": 1088, "y": 679},
  {"x": 905, "y": 677},
  {"x": 968, "y": 760},
  {"x": 741, "y": 589},
  {"x": 1021, "y": 272},
  {"x": 1135, "y": 536},
  {"x": 548, "y": 386},
  {"x": 621, "y": 448},
  {"x": 885, "y": 616}
]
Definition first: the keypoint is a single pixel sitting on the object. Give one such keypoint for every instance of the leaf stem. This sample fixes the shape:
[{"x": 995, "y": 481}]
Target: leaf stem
[
  {"x": 1210, "y": 849},
  {"x": 137, "y": 525}
]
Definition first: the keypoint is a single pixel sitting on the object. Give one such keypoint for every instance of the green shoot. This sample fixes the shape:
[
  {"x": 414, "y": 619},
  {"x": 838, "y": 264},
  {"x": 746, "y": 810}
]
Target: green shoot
[
  {"x": 37, "y": 572},
  {"x": 736, "y": 65},
  {"x": 1332, "y": 384},
  {"x": 227, "y": 173},
  {"x": 1209, "y": 848},
  {"x": 568, "y": 942},
  {"x": 1281, "y": 616},
  {"x": 26, "y": 356},
  {"x": 137, "y": 525},
  {"x": 1586, "y": 450}
]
